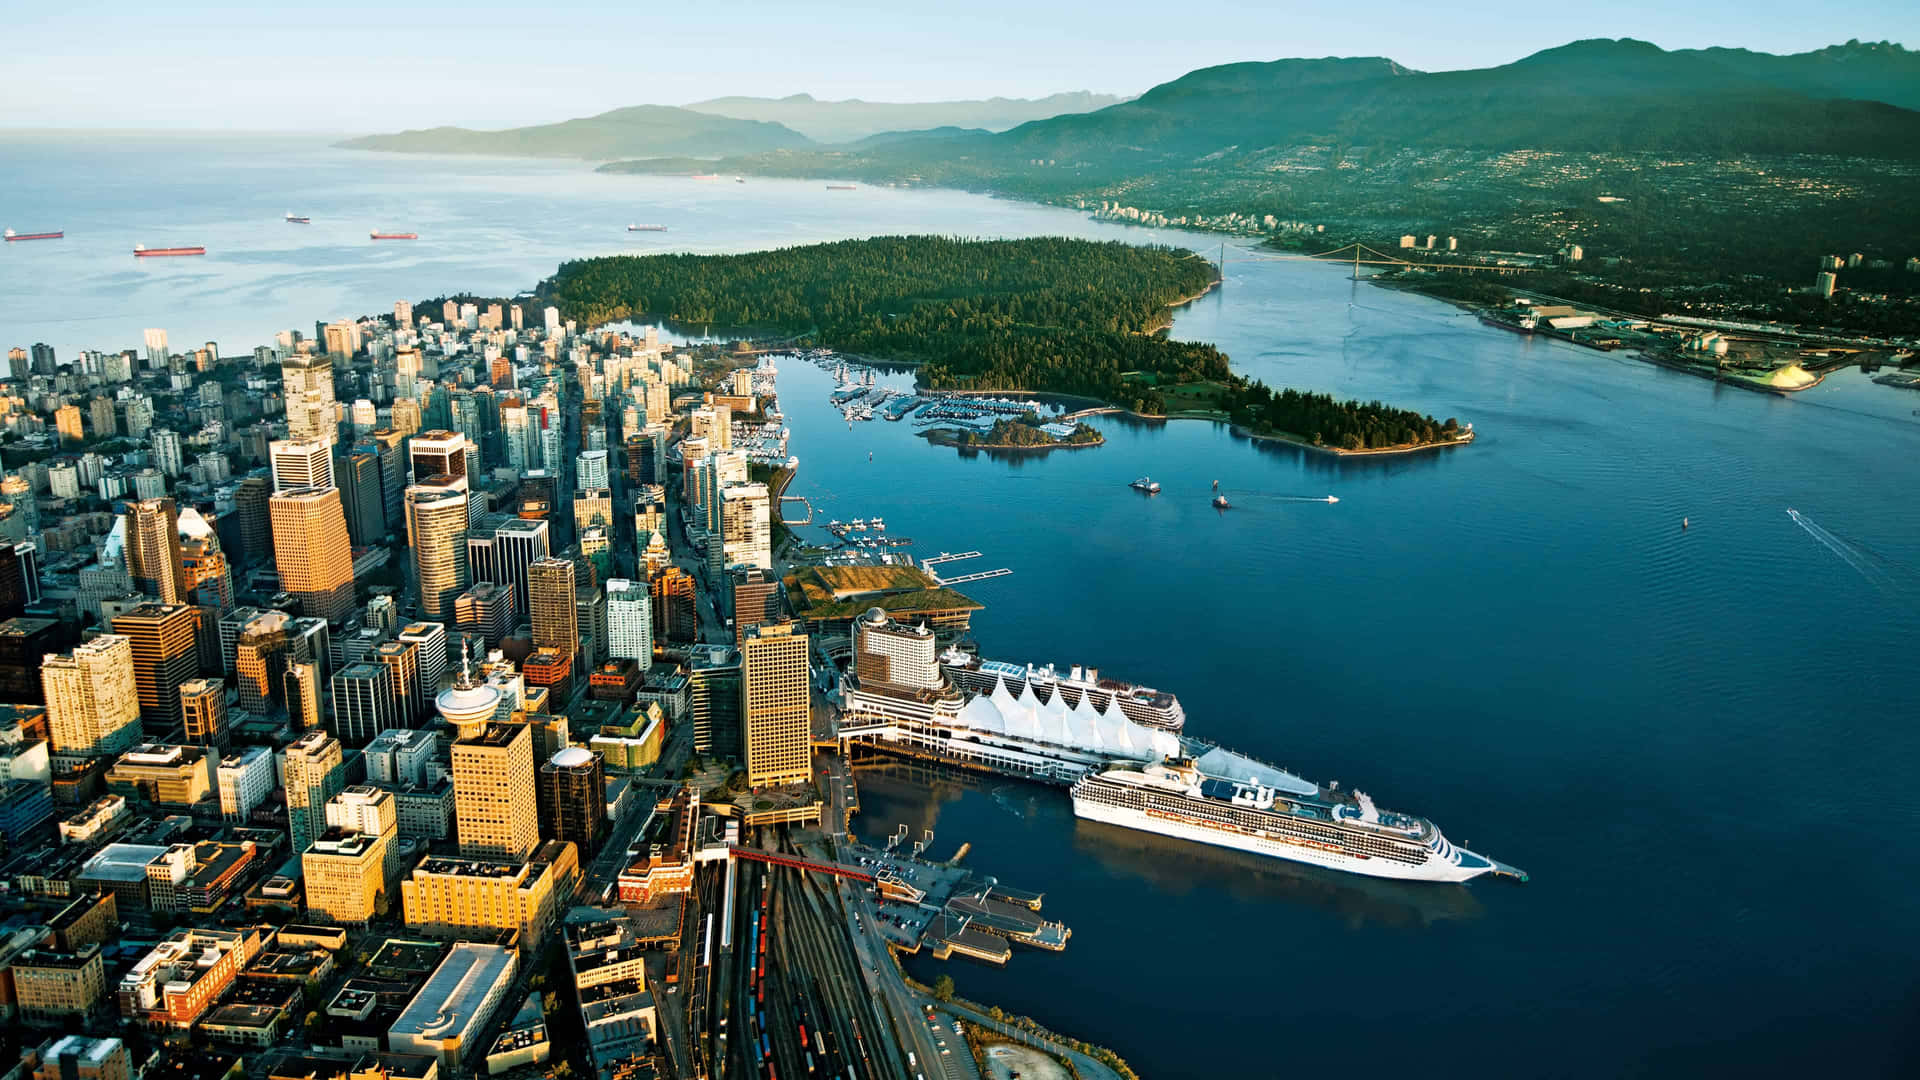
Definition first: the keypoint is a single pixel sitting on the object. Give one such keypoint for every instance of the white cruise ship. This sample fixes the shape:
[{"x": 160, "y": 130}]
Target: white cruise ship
[{"x": 1337, "y": 830}]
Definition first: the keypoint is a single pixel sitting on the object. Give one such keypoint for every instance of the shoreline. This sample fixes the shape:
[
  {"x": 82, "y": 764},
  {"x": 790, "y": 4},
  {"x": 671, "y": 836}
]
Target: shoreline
[
  {"x": 1383, "y": 451},
  {"x": 1174, "y": 305},
  {"x": 941, "y": 437}
]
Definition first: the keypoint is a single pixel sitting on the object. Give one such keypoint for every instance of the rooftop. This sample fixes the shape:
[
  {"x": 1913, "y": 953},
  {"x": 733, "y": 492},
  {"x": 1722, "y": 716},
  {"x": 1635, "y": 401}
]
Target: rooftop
[{"x": 456, "y": 991}]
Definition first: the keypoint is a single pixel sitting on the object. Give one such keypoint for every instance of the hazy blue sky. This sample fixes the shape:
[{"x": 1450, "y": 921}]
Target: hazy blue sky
[{"x": 354, "y": 65}]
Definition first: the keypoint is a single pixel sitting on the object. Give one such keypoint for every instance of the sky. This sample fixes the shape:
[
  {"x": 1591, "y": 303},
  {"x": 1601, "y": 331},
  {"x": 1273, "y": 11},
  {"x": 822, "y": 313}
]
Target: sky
[{"x": 358, "y": 66}]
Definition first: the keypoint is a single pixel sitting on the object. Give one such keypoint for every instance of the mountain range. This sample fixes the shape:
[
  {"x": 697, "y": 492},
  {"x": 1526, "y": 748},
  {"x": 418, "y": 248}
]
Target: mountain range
[{"x": 853, "y": 119}]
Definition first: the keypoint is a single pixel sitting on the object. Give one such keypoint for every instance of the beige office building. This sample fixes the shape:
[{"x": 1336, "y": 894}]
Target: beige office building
[
  {"x": 466, "y": 897},
  {"x": 312, "y": 551},
  {"x": 350, "y": 868},
  {"x": 51, "y": 985},
  {"x": 437, "y": 532},
  {"x": 776, "y": 705},
  {"x": 495, "y": 807},
  {"x": 93, "y": 702}
]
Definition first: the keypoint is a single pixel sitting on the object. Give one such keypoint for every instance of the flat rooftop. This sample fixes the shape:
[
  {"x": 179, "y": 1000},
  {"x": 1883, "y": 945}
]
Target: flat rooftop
[{"x": 447, "y": 1005}]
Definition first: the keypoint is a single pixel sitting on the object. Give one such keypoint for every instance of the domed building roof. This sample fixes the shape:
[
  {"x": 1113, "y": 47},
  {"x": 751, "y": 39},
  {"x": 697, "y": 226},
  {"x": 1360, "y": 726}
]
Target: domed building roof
[{"x": 573, "y": 757}]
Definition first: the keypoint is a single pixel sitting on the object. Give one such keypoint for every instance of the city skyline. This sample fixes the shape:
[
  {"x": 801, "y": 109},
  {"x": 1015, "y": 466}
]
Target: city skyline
[{"x": 423, "y": 66}]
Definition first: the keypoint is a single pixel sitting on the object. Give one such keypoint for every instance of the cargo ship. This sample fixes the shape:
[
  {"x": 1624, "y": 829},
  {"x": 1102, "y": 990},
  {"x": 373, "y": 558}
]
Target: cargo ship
[
  {"x": 706, "y": 176},
  {"x": 54, "y": 235},
  {"x": 1140, "y": 704},
  {"x": 1290, "y": 819},
  {"x": 143, "y": 251},
  {"x": 840, "y": 187},
  {"x": 646, "y": 228},
  {"x": 378, "y": 235},
  {"x": 298, "y": 219}
]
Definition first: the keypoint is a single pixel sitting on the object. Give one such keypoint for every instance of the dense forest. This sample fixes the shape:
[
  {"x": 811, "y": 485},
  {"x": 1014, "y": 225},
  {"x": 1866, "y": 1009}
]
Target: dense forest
[
  {"x": 1322, "y": 421},
  {"x": 1069, "y": 316},
  {"x": 1019, "y": 433}
]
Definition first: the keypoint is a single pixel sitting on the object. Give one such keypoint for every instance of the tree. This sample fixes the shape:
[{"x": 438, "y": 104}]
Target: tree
[{"x": 943, "y": 988}]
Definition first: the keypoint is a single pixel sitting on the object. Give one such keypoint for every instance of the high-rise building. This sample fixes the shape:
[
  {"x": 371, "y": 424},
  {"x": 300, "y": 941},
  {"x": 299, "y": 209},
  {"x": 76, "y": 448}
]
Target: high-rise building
[
  {"x": 776, "y": 705},
  {"x": 713, "y": 423},
  {"x": 250, "y": 510},
  {"x": 437, "y": 533},
  {"x": 402, "y": 661},
  {"x": 153, "y": 549},
  {"x": 300, "y": 463},
  {"x": 302, "y": 693},
  {"x": 550, "y": 609},
  {"x": 19, "y": 578},
  {"x": 468, "y": 897},
  {"x": 440, "y": 458},
  {"x": 66, "y": 421},
  {"x": 363, "y": 703},
  {"x": 315, "y": 772},
  {"x": 93, "y": 702},
  {"x": 590, "y": 615},
  {"x": 756, "y": 598},
  {"x": 204, "y": 572},
  {"x": 390, "y": 445},
  {"x": 259, "y": 657},
  {"x": 24, "y": 643},
  {"x": 674, "y": 616},
  {"x": 714, "y": 683},
  {"x": 592, "y": 506},
  {"x": 573, "y": 799},
  {"x": 307, "y": 384},
  {"x": 312, "y": 551},
  {"x": 203, "y": 712},
  {"x": 517, "y": 544},
  {"x": 166, "y": 452},
  {"x": 746, "y": 525},
  {"x": 486, "y": 609},
  {"x": 357, "y": 472},
  {"x": 494, "y": 800},
  {"x": 430, "y": 643},
  {"x": 244, "y": 779},
  {"x": 590, "y": 469},
  {"x": 166, "y": 655},
  {"x": 629, "y": 621}
]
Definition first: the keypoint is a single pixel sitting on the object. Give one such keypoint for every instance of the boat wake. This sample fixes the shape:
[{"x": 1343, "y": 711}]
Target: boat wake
[{"x": 1853, "y": 556}]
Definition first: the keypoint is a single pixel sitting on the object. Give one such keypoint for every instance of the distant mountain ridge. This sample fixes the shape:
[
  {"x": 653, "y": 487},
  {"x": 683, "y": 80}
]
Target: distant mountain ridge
[
  {"x": 637, "y": 131},
  {"x": 853, "y": 119}
]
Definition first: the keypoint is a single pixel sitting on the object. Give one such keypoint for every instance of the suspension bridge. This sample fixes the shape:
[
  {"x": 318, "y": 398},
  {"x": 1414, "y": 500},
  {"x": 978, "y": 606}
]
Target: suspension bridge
[{"x": 1359, "y": 255}]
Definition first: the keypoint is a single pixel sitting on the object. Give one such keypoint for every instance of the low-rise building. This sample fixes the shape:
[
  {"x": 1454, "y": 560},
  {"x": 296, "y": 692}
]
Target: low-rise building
[
  {"x": 164, "y": 774},
  {"x": 81, "y": 1057},
  {"x": 456, "y": 896},
  {"x": 57, "y": 986},
  {"x": 177, "y": 981},
  {"x": 99, "y": 819},
  {"x": 456, "y": 1004}
]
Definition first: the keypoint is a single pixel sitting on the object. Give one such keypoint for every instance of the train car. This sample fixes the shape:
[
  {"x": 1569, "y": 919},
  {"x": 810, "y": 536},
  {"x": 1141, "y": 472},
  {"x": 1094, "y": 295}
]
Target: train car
[
  {"x": 819, "y": 1043},
  {"x": 803, "y": 1033},
  {"x": 766, "y": 1048}
]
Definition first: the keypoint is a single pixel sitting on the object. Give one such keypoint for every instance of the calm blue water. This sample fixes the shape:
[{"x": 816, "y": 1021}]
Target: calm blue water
[{"x": 1700, "y": 743}]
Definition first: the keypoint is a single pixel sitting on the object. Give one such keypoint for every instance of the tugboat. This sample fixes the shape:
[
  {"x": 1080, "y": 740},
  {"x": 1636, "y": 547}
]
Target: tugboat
[
  {"x": 1151, "y": 487},
  {"x": 298, "y": 219}
]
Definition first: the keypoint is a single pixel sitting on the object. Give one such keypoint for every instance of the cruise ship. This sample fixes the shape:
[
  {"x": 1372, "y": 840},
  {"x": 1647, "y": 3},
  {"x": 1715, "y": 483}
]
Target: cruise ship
[
  {"x": 1302, "y": 822},
  {"x": 1141, "y": 704}
]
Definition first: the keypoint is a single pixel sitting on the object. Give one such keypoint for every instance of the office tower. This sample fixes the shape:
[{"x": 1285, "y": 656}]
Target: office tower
[
  {"x": 315, "y": 772},
  {"x": 437, "y": 533},
  {"x": 244, "y": 779},
  {"x": 19, "y": 578},
  {"x": 592, "y": 506},
  {"x": 166, "y": 654},
  {"x": 204, "y": 572},
  {"x": 642, "y": 464},
  {"x": 364, "y": 703},
  {"x": 746, "y": 526},
  {"x": 312, "y": 551},
  {"x": 24, "y": 643},
  {"x": 590, "y": 469},
  {"x": 260, "y": 659},
  {"x": 390, "y": 446},
  {"x": 494, "y": 800},
  {"x": 402, "y": 661},
  {"x": 573, "y": 799},
  {"x": 590, "y": 615},
  {"x": 485, "y": 609},
  {"x": 756, "y": 598},
  {"x": 629, "y": 621},
  {"x": 301, "y": 692},
  {"x": 66, "y": 421},
  {"x": 550, "y": 605},
  {"x": 307, "y": 384},
  {"x": 517, "y": 545},
  {"x": 357, "y": 473},
  {"x": 429, "y": 640},
  {"x": 405, "y": 413},
  {"x": 596, "y": 554},
  {"x": 439, "y": 459},
  {"x": 300, "y": 463},
  {"x": 93, "y": 703},
  {"x": 714, "y": 683},
  {"x": 348, "y": 871},
  {"x": 342, "y": 339},
  {"x": 250, "y": 508},
  {"x": 153, "y": 549},
  {"x": 203, "y": 712},
  {"x": 674, "y": 615},
  {"x": 776, "y": 705}
]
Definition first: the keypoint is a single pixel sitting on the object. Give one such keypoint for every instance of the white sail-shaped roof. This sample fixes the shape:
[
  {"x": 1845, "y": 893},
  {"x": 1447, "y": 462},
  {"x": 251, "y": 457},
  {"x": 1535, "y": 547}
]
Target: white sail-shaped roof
[{"x": 1082, "y": 727}]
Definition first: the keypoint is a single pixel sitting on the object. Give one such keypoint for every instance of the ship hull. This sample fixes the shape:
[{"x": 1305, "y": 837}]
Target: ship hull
[
  {"x": 35, "y": 236},
  {"x": 164, "y": 253},
  {"x": 1433, "y": 870}
]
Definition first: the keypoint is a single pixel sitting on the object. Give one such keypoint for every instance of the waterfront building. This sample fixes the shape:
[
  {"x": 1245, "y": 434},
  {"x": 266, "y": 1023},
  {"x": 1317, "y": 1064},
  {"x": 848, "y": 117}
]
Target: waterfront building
[
  {"x": 573, "y": 799},
  {"x": 495, "y": 805},
  {"x": 93, "y": 701},
  {"x": 163, "y": 639},
  {"x": 153, "y": 549},
  {"x": 244, "y": 780},
  {"x": 313, "y": 552},
  {"x": 315, "y": 769},
  {"x": 301, "y": 463},
  {"x": 776, "y": 705}
]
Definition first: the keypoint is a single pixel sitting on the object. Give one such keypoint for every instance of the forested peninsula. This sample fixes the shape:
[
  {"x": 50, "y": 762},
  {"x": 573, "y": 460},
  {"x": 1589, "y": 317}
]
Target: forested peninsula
[{"x": 1044, "y": 314}]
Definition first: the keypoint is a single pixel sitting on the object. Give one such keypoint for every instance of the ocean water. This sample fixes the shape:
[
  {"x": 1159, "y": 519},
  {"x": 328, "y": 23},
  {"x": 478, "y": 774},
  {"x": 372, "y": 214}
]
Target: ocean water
[{"x": 1700, "y": 743}]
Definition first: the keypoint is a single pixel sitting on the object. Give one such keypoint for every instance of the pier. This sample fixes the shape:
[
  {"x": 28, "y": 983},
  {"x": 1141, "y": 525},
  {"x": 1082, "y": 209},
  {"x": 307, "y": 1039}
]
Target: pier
[{"x": 947, "y": 557}]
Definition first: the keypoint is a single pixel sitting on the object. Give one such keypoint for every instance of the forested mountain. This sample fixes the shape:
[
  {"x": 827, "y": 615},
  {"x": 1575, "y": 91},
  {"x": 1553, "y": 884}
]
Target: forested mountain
[
  {"x": 640, "y": 131},
  {"x": 847, "y": 121}
]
